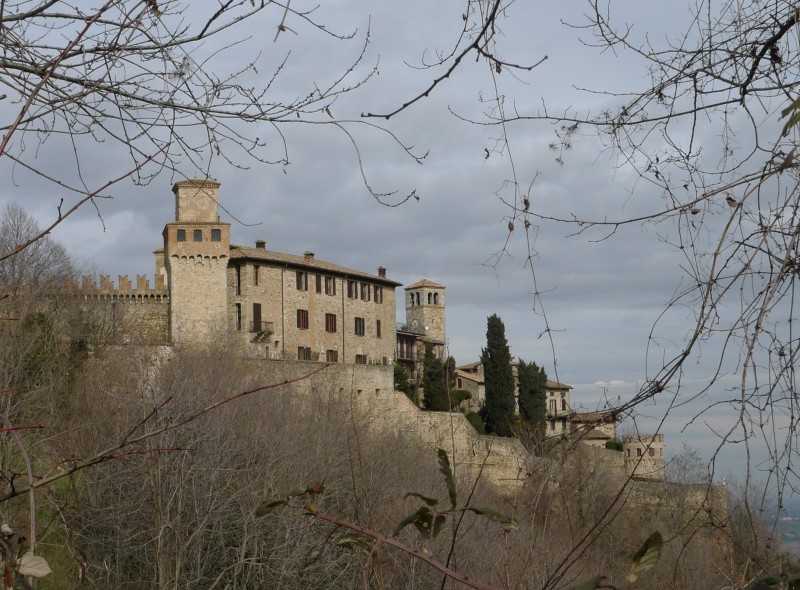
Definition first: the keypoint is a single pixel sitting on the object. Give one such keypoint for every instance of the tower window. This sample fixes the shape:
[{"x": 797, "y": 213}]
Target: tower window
[
  {"x": 238, "y": 316},
  {"x": 378, "y": 328},
  {"x": 319, "y": 283},
  {"x": 197, "y": 235},
  {"x": 430, "y": 298},
  {"x": 181, "y": 236},
  {"x": 436, "y": 299},
  {"x": 411, "y": 299},
  {"x": 216, "y": 235},
  {"x": 255, "y": 274}
]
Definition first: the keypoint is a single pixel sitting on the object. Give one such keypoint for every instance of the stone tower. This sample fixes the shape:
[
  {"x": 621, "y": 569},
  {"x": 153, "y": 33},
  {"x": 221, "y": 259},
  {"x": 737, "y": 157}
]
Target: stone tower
[
  {"x": 644, "y": 456},
  {"x": 196, "y": 251},
  {"x": 425, "y": 312}
]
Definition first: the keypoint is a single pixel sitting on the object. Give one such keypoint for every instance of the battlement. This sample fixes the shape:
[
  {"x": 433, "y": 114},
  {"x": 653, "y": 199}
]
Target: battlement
[{"x": 124, "y": 290}]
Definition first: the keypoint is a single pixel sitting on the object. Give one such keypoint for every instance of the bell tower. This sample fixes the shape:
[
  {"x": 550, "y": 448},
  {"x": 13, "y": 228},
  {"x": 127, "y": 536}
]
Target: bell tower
[
  {"x": 196, "y": 251},
  {"x": 425, "y": 312}
]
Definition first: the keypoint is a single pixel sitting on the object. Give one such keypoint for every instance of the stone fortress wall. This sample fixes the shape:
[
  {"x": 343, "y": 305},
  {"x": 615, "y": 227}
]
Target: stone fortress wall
[{"x": 123, "y": 314}]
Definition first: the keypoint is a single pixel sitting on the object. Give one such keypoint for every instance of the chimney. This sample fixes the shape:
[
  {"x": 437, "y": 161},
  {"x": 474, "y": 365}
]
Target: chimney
[
  {"x": 261, "y": 244},
  {"x": 308, "y": 255},
  {"x": 381, "y": 272}
]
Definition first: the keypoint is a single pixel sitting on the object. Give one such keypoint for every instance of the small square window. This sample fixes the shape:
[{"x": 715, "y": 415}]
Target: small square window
[
  {"x": 216, "y": 235},
  {"x": 197, "y": 235},
  {"x": 181, "y": 236}
]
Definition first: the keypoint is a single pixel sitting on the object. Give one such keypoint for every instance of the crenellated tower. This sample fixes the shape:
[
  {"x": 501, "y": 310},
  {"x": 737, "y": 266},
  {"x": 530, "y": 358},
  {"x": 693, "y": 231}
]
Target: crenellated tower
[
  {"x": 195, "y": 258},
  {"x": 644, "y": 456}
]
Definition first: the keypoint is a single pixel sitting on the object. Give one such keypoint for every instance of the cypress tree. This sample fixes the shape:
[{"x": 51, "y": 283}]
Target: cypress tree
[
  {"x": 498, "y": 379},
  {"x": 433, "y": 382},
  {"x": 533, "y": 396}
]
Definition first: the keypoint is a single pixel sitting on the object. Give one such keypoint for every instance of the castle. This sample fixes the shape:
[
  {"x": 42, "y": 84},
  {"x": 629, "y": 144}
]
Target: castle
[
  {"x": 271, "y": 304},
  {"x": 283, "y": 307}
]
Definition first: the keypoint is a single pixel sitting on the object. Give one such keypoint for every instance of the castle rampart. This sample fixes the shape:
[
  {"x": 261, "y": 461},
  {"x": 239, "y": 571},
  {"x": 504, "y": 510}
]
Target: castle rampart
[{"x": 644, "y": 456}]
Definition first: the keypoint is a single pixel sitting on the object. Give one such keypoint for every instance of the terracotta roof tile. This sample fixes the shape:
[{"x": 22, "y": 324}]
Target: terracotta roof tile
[
  {"x": 425, "y": 283},
  {"x": 242, "y": 252}
]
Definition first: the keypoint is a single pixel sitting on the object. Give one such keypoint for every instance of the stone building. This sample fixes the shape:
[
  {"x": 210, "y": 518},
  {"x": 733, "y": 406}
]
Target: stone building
[
  {"x": 268, "y": 304},
  {"x": 470, "y": 378},
  {"x": 276, "y": 305}
]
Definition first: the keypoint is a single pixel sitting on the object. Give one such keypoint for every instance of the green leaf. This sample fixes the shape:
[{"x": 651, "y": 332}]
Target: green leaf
[
  {"x": 438, "y": 523},
  {"x": 647, "y": 556},
  {"x": 792, "y": 107},
  {"x": 422, "y": 513},
  {"x": 494, "y": 516},
  {"x": 444, "y": 467},
  {"x": 33, "y": 565},
  {"x": 428, "y": 500},
  {"x": 768, "y": 581},
  {"x": 266, "y": 507},
  {"x": 589, "y": 584}
]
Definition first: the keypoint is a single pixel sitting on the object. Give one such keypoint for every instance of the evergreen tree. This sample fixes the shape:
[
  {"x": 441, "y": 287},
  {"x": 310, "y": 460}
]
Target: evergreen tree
[
  {"x": 401, "y": 382},
  {"x": 450, "y": 367},
  {"x": 433, "y": 382},
  {"x": 498, "y": 379},
  {"x": 533, "y": 396}
]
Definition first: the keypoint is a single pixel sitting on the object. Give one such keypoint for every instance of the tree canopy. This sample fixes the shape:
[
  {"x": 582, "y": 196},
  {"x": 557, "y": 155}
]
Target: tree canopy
[
  {"x": 532, "y": 396},
  {"x": 434, "y": 382},
  {"x": 498, "y": 380}
]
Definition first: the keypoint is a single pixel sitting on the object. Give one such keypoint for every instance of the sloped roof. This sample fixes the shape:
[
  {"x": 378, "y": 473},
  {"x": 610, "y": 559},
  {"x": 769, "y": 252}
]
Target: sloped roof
[
  {"x": 306, "y": 262},
  {"x": 425, "y": 283},
  {"x": 606, "y": 417},
  {"x": 474, "y": 377},
  {"x": 557, "y": 385}
]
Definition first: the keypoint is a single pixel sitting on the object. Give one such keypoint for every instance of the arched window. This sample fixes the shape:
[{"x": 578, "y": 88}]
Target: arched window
[
  {"x": 418, "y": 303},
  {"x": 430, "y": 298},
  {"x": 436, "y": 299},
  {"x": 411, "y": 299}
]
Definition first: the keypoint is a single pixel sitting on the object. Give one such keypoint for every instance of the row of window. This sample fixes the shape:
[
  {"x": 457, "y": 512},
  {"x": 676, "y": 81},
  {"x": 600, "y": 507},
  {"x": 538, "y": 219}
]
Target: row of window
[
  {"x": 355, "y": 289},
  {"x": 554, "y": 406},
  {"x": 331, "y": 356},
  {"x": 414, "y": 299},
  {"x": 330, "y": 323},
  {"x": 197, "y": 235},
  {"x": 329, "y": 283}
]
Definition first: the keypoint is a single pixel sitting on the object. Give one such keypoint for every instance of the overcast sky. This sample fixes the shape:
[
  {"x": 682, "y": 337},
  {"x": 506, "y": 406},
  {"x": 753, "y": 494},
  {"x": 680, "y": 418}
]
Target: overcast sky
[{"x": 601, "y": 298}]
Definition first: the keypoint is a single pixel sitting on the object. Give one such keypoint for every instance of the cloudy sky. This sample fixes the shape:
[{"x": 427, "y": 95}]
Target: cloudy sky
[{"x": 601, "y": 298}]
